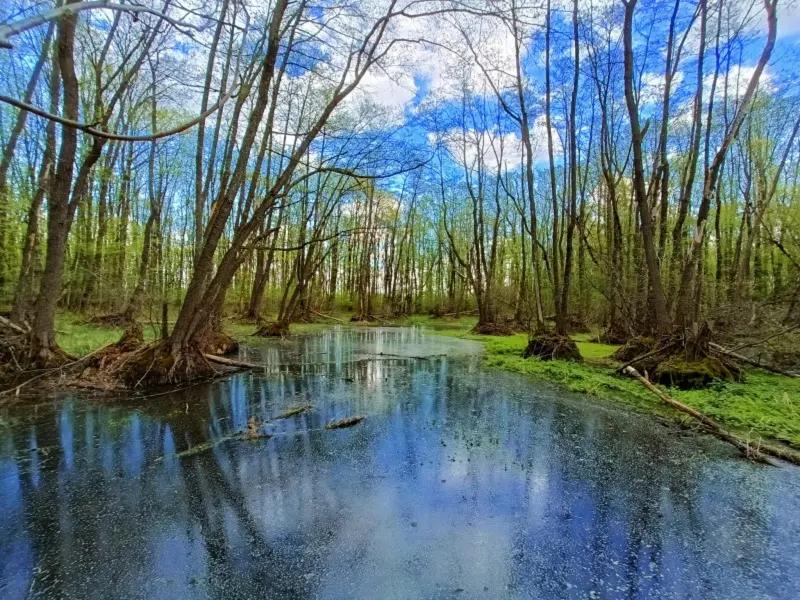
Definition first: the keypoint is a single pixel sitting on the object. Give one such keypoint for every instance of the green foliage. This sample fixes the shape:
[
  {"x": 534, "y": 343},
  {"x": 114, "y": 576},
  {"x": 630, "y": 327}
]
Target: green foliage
[{"x": 78, "y": 338}]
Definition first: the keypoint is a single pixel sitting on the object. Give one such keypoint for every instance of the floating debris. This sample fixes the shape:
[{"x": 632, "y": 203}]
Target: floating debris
[
  {"x": 252, "y": 432},
  {"x": 342, "y": 423},
  {"x": 294, "y": 411}
]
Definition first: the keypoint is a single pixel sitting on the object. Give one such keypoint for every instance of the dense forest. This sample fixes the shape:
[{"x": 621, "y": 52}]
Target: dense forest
[{"x": 628, "y": 167}]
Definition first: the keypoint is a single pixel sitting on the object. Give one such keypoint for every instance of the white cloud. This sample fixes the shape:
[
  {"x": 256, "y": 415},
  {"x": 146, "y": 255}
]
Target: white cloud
[
  {"x": 494, "y": 150},
  {"x": 738, "y": 79},
  {"x": 653, "y": 86}
]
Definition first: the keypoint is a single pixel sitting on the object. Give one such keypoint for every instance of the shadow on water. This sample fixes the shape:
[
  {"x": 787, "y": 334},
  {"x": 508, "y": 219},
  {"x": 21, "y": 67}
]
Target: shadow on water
[{"x": 460, "y": 483}]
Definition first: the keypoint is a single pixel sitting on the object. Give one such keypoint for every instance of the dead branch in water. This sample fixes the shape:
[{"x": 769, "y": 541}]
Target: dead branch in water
[
  {"x": 342, "y": 423},
  {"x": 228, "y": 362},
  {"x": 293, "y": 412}
]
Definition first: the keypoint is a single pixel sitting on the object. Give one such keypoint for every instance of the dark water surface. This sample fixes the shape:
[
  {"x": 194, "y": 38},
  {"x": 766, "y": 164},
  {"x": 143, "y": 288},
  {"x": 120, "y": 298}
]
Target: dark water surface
[{"x": 460, "y": 483}]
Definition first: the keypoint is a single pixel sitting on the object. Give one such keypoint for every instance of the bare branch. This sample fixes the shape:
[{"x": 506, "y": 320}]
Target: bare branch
[
  {"x": 12, "y": 29},
  {"x": 92, "y": 130}
]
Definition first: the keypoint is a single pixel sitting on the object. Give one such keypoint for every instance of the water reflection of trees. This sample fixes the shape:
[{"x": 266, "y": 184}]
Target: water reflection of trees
[{"x": 565, "y": 494}]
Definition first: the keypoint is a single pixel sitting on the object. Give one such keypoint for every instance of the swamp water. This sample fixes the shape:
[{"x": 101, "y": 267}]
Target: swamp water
[{"x": 459, "y": 483}]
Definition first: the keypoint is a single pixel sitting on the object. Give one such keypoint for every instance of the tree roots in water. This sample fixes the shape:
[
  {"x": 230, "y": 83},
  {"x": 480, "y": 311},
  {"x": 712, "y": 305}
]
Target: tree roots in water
[
  {"x": 125, "y": 366},
  {"x": 273, "y": 329},
  {"x": 551, "y": 346}
]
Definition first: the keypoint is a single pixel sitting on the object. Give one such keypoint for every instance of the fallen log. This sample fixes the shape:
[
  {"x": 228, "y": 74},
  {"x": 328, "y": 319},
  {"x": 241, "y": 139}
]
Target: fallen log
[
  {"x": 228, "y": 362},
  {"x": 459, "y": 313},
  {"x": 293, "y": 412},
  {"x": 346, "y": 422},
  {"x": 628, "y": 364},
  {"x": 752, "y": 362},
  {"x": 709, "y": 424},
  {"x": 328, "y": 316}
]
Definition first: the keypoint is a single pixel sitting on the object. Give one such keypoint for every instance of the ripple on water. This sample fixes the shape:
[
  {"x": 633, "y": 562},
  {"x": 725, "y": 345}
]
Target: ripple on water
[{"x": 459, "y": 483}]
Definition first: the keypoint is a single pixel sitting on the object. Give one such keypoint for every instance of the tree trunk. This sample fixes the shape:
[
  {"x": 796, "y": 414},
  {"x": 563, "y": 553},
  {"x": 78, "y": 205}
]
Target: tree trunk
[
  {"x": 658, "y": 303},
  {"x": 43, "y": 343}
]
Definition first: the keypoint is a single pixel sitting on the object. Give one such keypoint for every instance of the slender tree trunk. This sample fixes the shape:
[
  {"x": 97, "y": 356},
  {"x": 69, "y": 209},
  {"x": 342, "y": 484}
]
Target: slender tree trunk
[
  {"x": 658, "y": 301},
  {"x": 8, "y": 154},
  {"x": 562, "y": 316}
]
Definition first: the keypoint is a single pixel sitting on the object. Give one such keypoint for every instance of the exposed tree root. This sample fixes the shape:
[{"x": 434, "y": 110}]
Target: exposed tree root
[
  {"x": 551, "y": 346},
  {"x": 360, "y": 318},
  {"x": 273, "y": 329},
  {"x": 148, "y": 365},
  {"x": 493, "y": 329},
  {"x": 19, "y": 354},
  {"x": 304, "y": 317},
  {"x": 687, "y": 359},
  {"x": 219, "y": 343},
  {"x": 634, "y": 348}
]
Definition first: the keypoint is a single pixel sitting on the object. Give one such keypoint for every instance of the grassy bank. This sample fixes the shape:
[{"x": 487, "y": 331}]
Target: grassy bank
[{"x": 764, "y": 405}]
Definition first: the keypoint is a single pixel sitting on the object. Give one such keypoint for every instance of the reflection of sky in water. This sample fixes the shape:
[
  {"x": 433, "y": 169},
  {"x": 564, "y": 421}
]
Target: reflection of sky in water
[{"x": 459, "y": 482}]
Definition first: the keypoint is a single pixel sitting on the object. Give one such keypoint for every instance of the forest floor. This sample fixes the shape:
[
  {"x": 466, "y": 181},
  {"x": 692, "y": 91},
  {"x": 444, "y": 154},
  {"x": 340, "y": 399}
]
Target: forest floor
[{"x": 763, "y": 405}]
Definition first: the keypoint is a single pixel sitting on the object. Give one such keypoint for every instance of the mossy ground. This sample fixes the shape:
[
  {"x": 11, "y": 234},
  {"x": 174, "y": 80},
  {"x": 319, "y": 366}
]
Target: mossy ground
[
  {"x": 763, "y": 405},
  {"x": 78, "y": 338}
]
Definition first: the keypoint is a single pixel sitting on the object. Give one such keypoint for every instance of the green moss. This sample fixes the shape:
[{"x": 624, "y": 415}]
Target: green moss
[{"x": 692, "y": 374}]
